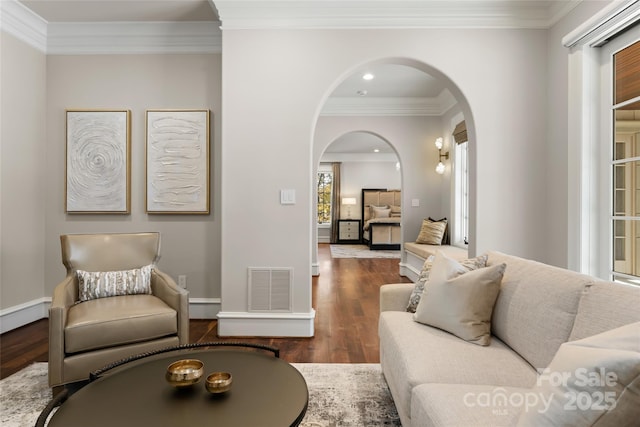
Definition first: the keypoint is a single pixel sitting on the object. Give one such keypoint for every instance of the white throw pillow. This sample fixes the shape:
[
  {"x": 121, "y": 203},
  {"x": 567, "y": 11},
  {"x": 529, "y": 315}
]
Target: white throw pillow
[
  {"x": 594, "y": 381},
  {"x": 461, "y": 304},
  {"x": 101, "y": 284},
  {"x": 469, "y": 265}
]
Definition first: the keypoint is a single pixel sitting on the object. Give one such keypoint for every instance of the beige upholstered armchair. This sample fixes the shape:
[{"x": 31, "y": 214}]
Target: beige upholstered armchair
[{"x": 88, "y": 327}]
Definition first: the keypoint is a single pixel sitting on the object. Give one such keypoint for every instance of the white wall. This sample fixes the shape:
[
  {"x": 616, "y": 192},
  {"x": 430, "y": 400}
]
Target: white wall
[
  {"x": 22, "y": 170},
  {"x": 498, "y": 79}
]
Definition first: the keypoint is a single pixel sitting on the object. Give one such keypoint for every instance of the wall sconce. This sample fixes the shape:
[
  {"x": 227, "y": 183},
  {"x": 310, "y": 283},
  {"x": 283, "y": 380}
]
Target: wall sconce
[
  {"x": 440, "y": 168},
  {"x": 348, "y": 202}
]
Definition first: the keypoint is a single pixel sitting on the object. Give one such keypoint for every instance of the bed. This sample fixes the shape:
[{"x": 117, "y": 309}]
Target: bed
[{"x": 381, "y": 218}]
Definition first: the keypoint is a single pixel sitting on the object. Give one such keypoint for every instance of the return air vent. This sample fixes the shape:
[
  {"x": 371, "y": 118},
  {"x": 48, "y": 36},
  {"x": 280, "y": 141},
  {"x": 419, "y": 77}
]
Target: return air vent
[{"x": 270, "y": 289}]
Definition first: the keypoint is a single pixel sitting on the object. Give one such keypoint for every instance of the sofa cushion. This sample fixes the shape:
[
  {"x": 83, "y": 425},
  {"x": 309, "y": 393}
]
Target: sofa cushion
[
  {"x": 108, "y": 322},
  {"x": 604, "y": 306},
  {"x": 425, "y": 251},
  {"x": 414, "y": 354},
  {"x": 591, "y": 382},
  {"x": 459, "y": 303},
  {"x": 536, "y": 307},
  {"x": 101, "y": 284},
  {"x": 446, "y": 405}
]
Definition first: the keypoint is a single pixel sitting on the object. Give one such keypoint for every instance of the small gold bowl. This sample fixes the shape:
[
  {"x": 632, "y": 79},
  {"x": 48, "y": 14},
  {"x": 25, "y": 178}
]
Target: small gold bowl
[
  {"x": 218, "y": 382},
  {"x": 183, "y": 373}
]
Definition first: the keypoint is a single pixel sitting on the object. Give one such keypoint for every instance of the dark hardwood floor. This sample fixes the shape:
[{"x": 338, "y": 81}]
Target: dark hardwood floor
[{"x": 345, "y": 297}]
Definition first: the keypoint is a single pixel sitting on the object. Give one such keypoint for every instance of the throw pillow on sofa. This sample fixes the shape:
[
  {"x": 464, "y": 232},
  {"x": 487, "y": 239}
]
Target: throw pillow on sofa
[
  {"x": 594, "y": 381},
  {"x": 469, "y": 264},
  {"x": 461, "y": 304}
]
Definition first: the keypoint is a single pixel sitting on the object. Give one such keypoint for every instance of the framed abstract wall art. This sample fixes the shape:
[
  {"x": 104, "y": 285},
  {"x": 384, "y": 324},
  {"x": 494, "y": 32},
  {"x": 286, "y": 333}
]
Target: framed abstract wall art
[
  {"x": 177, "y": 161},
  {"x": 98, "y": 167}
]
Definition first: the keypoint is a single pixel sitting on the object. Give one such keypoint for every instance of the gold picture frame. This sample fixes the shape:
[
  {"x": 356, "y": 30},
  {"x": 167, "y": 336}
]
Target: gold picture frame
[
  {"x": 97, "y": 162},
  {"x": 177, "y": 162}
]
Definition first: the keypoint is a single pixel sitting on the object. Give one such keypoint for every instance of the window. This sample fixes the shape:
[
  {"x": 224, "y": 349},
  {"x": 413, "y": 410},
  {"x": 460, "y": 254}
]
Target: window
[
  {"x": 625, "y": 164},
  {"x": 601, "y": 158},
  {"x": 325, "y": 188},
  {"x": 461, "y": 236}
]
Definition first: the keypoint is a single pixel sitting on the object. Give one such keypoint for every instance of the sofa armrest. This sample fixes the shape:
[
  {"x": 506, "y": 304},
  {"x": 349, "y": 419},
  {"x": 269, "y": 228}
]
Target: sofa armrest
[
  {"x": 165, "y": 288},
  {"x": 64, "y": 296},
  {"x": 395, "y": 297}
]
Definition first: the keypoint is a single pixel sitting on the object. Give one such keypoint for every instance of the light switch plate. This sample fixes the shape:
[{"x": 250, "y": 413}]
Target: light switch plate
[
  {"x": 287, "y": 197},
  {"x": 415, "y": 203}
]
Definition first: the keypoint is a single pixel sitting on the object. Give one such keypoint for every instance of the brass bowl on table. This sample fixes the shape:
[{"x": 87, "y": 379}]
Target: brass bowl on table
[
  {"x": 218, "y": 382},
  {"x": 185, "y": 372}
]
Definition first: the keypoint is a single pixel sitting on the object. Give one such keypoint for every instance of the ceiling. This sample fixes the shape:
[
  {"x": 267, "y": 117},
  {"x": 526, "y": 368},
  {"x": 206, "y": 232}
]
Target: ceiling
[{"x": 391, "y": 82}]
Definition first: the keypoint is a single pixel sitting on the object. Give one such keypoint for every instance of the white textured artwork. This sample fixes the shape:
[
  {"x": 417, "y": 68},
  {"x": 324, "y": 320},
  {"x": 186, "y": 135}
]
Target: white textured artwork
[
  {"x": 97, "y": 162},
  {"x": 178, "y": 161}
]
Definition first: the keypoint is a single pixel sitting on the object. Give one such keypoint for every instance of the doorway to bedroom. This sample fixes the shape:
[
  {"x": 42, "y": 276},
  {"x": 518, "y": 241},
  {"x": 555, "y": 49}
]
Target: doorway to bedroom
[
  {"x": 354, "y": 161},
  {"x": 405, "y": 108}
]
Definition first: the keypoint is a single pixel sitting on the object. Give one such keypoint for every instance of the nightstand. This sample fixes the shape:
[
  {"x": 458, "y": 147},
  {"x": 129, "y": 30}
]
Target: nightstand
[{"x": 348, "y": 231}]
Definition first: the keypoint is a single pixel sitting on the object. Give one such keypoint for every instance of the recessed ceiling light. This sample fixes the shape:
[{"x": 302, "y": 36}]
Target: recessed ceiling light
[
  {"x": 376, "y": 150},
  {"x": 362, "y": 92},
  {"x": 368, "y": 76}
]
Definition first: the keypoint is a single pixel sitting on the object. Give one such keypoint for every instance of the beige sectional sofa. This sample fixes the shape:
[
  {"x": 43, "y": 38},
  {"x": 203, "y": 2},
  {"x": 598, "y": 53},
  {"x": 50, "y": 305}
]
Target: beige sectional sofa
[{"x": 438, "y": 379}]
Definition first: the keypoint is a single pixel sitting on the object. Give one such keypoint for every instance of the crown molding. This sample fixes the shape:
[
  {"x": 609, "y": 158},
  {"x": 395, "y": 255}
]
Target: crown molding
[
  {"x": 23, "y": 24},
  {"x": 390, "y": 106},
  {"x": 95, "y": 38},
  {"x": 390, "y": 14},
  {"x": 134, "y": 38},
  {"x": 359, "y": 157}
]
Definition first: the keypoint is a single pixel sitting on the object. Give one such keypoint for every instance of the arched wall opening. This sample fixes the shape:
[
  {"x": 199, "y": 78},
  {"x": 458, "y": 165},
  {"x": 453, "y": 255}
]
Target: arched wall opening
[
  {"x": 425, "y": 193},
  {"x": 364, "y": 160}
]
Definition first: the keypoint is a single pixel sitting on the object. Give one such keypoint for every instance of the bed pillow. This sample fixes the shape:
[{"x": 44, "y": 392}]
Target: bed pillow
[
  {"x": 380, "y": 212},
  {"x": 460, "y": 303},
  {"x": 396, "y": 211},
  {"x": 431, "y": 233},
  {"x": 594, "y": 381},
  {"x": 372, "y": 207},
  {"x": 469, "y": 264},
  {"x": 102, "y": 284}
]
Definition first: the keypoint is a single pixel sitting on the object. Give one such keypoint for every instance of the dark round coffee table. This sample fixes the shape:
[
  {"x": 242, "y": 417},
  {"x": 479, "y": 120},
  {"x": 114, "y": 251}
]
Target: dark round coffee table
[{"x": 266, "y": 391}]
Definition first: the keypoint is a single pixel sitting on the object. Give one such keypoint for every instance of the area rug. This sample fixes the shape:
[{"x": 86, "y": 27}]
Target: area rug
[
  {"x": 340, "y": 395},
  {"x": 360, "y": 251}
]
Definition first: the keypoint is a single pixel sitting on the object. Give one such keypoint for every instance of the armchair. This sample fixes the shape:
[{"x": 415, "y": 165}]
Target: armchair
[{"x": 85, "y": 335}]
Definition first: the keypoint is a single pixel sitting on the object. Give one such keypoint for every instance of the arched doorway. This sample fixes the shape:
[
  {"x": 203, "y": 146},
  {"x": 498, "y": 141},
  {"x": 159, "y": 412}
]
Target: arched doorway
[
  {"x": 354, "y": 160},
  {"x": 425, "y": 107}
]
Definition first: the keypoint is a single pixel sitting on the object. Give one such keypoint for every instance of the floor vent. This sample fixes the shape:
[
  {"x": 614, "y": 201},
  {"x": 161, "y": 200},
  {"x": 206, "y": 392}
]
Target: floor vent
[{"x": 270, "y": 289}]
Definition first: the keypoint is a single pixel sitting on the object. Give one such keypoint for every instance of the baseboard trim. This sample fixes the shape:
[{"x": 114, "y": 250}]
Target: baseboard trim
[
  {"x": 315, "y": 269},
  {"x": 242, "y": 324},
  {"x": 204, "y": 308},
  {"x": 409, "y": 271},
  {"x": 23, "y": 314}
]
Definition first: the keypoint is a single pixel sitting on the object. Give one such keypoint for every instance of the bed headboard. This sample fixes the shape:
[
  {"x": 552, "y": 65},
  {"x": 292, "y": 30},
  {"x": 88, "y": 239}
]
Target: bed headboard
[{"x": 379, "y": 197}]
